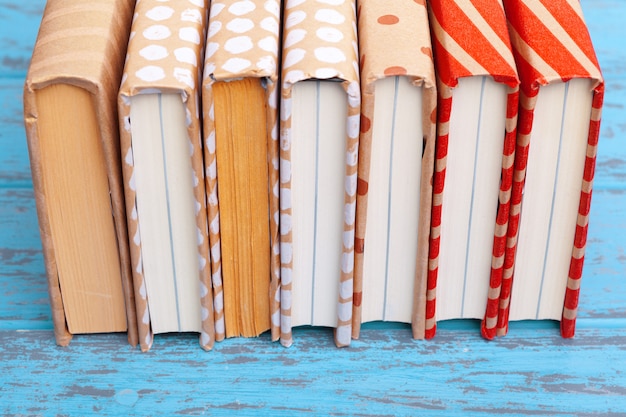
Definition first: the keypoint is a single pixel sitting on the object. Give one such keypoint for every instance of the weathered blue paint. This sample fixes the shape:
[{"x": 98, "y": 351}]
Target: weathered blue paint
[
  {"x": 603, "y": 289},
  {"x": 14, "y": 165},
  {"x": 20, "y": 22},
  {"x": 23, "y": 293},
  {"x": 605, "y": 19},
  {"x": 531, "y": 371}
]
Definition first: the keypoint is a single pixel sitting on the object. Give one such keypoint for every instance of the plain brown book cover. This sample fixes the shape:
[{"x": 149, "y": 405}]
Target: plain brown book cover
[{"x": 81, "y": 44}]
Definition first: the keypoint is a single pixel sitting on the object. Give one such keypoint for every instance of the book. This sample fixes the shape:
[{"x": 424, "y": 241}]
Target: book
[
  {"x": 477, "y": 113},
  {"x": 396, "y": 159},
  {"x": 240, "y": 104},
  {"x": 319, "y": 129},
  {"x": 560, "y": 109},
  {"x": 73, "y": 141},
  {"x": 161, "y": 149}
]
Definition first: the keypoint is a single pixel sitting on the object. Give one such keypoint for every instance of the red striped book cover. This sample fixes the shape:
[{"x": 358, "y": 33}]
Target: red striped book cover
[
  {"x": 551, "y": 46},
  {"x": 470, "y": 39}
]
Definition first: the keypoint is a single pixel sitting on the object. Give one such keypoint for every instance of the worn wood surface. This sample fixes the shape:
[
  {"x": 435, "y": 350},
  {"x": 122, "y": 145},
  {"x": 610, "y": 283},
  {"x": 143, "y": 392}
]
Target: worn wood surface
[{"x": 531, "y": 371}]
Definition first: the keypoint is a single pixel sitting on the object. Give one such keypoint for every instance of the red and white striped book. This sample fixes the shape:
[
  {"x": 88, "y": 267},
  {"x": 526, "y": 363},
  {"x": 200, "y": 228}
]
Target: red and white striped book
[
  {"x": 560, "y": 107},
  {"x": 477, "y": 115}
]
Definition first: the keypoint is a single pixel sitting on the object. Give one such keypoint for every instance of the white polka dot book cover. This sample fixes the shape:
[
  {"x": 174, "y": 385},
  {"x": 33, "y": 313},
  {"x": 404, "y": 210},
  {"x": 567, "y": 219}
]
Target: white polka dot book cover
[
  {"x": 161, "y": 152},
  {"x": 70, "y": 114},
  {"x": 396, "y": 159},
  {"x": 319, "y": 134},
  {"x": 240, "y": 98}
]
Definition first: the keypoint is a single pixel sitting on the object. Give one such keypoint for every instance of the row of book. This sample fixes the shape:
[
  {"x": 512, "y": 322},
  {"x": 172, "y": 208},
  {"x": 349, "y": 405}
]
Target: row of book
[{"x": 243, "y": 166}]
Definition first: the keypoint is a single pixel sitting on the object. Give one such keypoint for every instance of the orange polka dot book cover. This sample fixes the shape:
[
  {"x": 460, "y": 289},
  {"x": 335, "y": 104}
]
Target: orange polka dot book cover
[
  {"x": 396, "y": 158},
  {"x": 319, "y": 133},
  {"x": 240, "y": 98},
  {"x": 162, "y": 160}
]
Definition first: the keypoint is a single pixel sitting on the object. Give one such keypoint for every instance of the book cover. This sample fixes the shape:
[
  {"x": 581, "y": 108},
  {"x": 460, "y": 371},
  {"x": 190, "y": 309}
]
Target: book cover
[
  {"x": 319, "y": 43},
  {"x": 410, "y": 59},
  {"x": 165, "y": 56},
  {"x": 470, "y": 39},
  {"x": 81, "y": 45},
  {"x": 558, "y": 50},
  {"x": 243, "y": 42}
]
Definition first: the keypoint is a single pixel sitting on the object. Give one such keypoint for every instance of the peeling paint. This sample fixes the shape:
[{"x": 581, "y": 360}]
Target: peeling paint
[{"x": 88, "y": 391}]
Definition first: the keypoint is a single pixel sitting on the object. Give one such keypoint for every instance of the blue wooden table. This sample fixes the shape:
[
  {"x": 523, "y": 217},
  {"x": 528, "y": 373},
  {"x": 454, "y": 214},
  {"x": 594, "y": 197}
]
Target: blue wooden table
[{"x": 531, "y": 371}]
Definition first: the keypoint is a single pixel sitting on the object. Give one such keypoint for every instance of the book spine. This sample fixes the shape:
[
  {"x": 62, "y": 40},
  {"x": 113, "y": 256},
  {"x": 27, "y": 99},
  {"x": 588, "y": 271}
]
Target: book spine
[
  {"x": 486, "y": 52},
  {"x": 327, "y": 59},
  {"x": 273, "y": 154},
  {"x": 159, "y": 62},
  {"x": 379, "y": 21},
  {"x": 61, "y": 55},
  {"x": 527, "y": 104},
  {"x": 444, "y": 105},
  {"x": 570, "y": 307},
  {"x": 224, "y": 62},
  {"x": 558, "y": 49},
  {"x": 489, "y": 322}
]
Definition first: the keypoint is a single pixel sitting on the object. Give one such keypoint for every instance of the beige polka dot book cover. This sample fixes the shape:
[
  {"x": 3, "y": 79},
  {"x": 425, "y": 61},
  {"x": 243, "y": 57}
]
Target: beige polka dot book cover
[
  {"x": 70, "y": 115},
  {"x": 165, "y": 56},
  {"x": 319, "y": 82},
  {"x": 395, "y": 163},
  {"x": 243, "y": 44}
]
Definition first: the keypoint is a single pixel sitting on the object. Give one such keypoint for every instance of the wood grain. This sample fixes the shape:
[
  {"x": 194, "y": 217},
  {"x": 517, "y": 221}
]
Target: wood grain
[
  {"x": 14, "y": 165},
  {"x": 20, "y": 22},
  {"x": 386, "y": 373},
  {"x": 23, "y": 293}
]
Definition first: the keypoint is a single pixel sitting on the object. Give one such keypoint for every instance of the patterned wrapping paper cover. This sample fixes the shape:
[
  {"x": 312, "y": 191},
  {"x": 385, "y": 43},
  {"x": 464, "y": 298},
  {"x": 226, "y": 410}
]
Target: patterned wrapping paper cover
[
  {"x": 551, "y": 43},
  {"x": 165, "y": 55},
  {"x": 243, "y": 41},
  {"x": 309, "y": 56},
  {"x": 406, "y": 22},
  {"x": 82, "y": 44},
  {"x": 470, "y": 38}
]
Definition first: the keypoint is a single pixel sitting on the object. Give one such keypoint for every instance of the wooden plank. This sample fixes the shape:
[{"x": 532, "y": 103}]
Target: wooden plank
[
  {"x": 14, "y": 163},
  {"x": 24, "y": 300},
  {"x": 603, "y": 285},
  {"x": 20, "y": 21},
  {"x": 533, "y": 372},
  {"x": 605, "y": 19}
]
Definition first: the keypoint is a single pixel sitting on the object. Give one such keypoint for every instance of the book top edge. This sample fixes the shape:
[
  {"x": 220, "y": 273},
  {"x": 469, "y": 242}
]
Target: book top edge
[
  {"x": 165, "y": 47},
  {"x": 394, "y": 40},
  {"x": 319, "y": 42},
  {"x": 471, "y": 39},
  {"x": 243, "y": 40},
  {"x": 81, "y": 43},
  {"x": 551, "y": 43}
]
